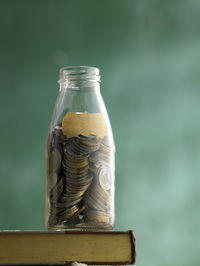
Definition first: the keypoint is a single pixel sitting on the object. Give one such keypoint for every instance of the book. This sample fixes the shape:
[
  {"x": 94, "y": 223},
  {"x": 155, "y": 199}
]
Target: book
[{"x": 89, "y": 247}]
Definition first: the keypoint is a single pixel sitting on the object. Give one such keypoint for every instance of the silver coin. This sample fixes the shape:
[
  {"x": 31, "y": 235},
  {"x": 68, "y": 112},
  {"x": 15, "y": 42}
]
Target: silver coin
[{"x": 105, "y": 178}]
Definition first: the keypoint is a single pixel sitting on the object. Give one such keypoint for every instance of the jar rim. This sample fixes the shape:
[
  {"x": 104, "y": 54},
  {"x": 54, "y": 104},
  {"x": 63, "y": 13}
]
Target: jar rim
[
  {"x": 75, "y": 69},
  {"x": 79, "y": 73}
]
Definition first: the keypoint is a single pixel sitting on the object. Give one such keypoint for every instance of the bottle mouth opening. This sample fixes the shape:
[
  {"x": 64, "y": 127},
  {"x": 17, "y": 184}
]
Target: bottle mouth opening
[{"x": 79, "y": 73}]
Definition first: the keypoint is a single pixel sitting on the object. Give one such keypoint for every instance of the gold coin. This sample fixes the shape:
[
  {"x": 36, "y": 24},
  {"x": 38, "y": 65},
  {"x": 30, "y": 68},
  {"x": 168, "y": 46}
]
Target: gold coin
[
  {"x": 66, "y": 204},
  {"x": 67, "y": 214},
  {"x": 75, "y": 164},
  {"x": 56, "y": 191},
  {"x": 96, "y": 217}
]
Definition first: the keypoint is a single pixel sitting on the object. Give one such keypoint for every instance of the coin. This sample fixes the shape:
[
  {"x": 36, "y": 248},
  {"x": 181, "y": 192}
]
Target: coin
[
  {"x": 88, "y": 144},
  {"x": 99, "y": 158},
  {"x": 96, "y": 217},
  {"x": 80, "y": 179},
  {"x": 75, "y": 163},
  {"x": 73, "y": 170},
  {"x": 52, "y": 180},
  {"x": 57, "y": 137},
  {"x": 105, "y": 178},
  {"x": 81, "y": 209},
  {"x": 68, "y": 213},
  {"x": 56, "y": 191},
  {"x": 54, "y": 160},
  {"x": 66, "y": 204},
  {"x": 97, "y": 202}
]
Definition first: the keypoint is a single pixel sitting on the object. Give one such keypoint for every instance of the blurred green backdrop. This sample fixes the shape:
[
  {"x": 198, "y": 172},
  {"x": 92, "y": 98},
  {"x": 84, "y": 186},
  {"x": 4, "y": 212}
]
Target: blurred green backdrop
[{"x": 148, "y": 52}]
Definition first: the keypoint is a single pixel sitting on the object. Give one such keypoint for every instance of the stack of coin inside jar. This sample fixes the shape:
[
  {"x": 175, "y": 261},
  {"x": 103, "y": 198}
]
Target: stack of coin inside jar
[{"x": 79, "y": 177}]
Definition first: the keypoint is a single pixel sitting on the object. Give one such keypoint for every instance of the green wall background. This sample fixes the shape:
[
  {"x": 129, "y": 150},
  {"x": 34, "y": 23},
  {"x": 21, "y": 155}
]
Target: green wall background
[{"x": 148, "y": 52}]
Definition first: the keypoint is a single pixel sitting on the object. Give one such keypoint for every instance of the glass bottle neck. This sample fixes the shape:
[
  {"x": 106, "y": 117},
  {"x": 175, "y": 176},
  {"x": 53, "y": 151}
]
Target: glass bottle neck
[
  {"x": 79, "y": 78},
  {"x": 79, "y": 85}
]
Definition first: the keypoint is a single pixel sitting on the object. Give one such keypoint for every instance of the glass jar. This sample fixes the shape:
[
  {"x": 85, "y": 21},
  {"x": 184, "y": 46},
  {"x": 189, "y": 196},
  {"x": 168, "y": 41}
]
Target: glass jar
[{"x": 80, "y": 155}]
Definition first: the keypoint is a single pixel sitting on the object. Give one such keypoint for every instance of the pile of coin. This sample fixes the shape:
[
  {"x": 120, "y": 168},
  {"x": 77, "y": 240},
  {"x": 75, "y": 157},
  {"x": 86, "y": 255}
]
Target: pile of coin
[{"x": 79, "y": 179}]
